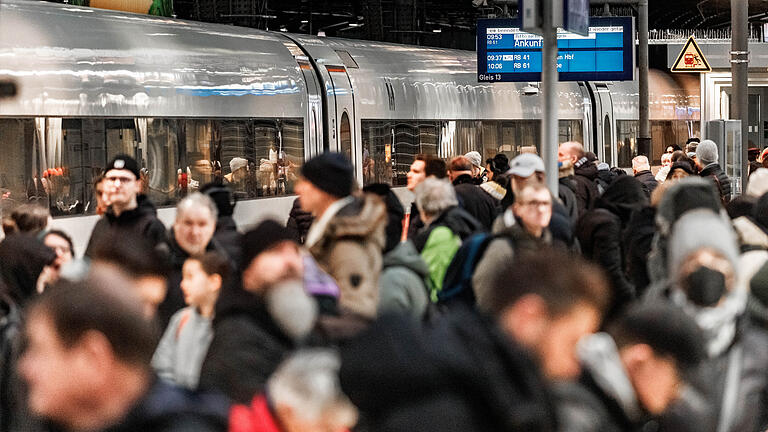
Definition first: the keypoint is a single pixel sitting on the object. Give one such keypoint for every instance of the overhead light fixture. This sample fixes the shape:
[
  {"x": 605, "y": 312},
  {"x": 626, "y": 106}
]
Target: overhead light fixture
[
  {"x": 283, "y": 29},
  {"x": 304, "y": 21},
  {"x": 321, "y": 34},
  {"x": 437, "y": 30},
  {"x": 354, "y": 25}
]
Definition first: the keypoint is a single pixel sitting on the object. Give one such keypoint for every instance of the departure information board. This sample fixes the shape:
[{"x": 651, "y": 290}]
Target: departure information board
[{"x": 505, "y": 53}]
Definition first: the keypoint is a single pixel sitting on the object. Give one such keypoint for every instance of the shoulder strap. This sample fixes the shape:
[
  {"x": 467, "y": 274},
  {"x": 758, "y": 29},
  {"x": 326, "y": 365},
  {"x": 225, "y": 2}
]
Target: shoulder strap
[{"x": 182, "y": 322}]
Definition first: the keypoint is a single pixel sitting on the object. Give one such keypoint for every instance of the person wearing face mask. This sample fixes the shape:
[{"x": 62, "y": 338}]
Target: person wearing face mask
[
  {"x": 705, "y": 281},
  {"x": 632, "y": 372}
]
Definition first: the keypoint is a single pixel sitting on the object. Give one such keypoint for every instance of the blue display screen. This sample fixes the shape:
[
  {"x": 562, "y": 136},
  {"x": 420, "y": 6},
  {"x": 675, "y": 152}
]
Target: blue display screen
[{"x": 507, "y": 54}]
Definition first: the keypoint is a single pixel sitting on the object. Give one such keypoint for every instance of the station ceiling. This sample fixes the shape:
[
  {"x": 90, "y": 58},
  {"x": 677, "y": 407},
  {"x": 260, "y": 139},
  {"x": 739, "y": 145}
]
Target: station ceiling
[{"x": 449, "y": 23}]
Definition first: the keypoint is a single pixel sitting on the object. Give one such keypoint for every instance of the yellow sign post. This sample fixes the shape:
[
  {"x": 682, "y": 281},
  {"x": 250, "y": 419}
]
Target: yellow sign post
[{"x": 691, "y": 59}]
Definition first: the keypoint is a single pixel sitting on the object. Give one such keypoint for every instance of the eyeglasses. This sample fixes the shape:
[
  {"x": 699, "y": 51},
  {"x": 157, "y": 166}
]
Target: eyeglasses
[
  {"x": 121, "y": 179},
  {"x": 536, "y": 204}
]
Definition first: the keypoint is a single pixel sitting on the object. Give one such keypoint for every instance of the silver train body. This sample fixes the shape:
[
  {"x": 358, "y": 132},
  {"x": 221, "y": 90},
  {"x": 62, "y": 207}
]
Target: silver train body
[{"x": 186, "y": 98}]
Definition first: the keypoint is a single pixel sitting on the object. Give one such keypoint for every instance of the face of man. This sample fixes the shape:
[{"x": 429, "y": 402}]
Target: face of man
[
  {"x": 278, "y": 263},
  {"x": 655, "y": 378},
  {"x": 534, "y": 209},
  {"x": 557, "y": 346},
  {"x": 194, "y": 229},
  {"x": 567, "y": 152},
  {"x": 416, "y": 175},
  {"x": 120, "y": 187},
  {"x": 59, "y": 379},
  {"x": 312, "y": 199}
]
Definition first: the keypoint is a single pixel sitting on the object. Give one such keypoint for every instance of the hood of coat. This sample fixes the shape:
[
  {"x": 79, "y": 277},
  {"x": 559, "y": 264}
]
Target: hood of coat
[
  {"x": 144, "y": 207},
  {"x": 22, "y": 258},
  {"x": 585, "y": 167},
  {"x": 600, "y": 358},
  {"x": 459, "y": 221},
  {"x": 406, "y": 255},
  {"x": 686, "y": 194},
  {"x": 464, "y": 359},
  {"x": 624, "y": 196},
  {"x": 750, "y": 233},
  {"x": 364, "y": 218}
]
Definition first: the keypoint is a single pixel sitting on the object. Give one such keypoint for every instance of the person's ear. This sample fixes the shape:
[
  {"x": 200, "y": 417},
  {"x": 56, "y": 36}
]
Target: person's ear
[
  {"x": 636, "y": 357},
  {"x": 526, "y": 320},
  {"x": 215, "y": 281}
]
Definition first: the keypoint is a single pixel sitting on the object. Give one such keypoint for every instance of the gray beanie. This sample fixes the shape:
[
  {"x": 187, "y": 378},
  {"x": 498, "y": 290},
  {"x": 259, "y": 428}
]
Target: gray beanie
[
  {"x": 697, "y": 229},
  {"x": 706, "y": 152}
]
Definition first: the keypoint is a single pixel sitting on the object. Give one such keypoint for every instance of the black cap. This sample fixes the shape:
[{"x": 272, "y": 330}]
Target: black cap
[
  {"x": 123, "y": 162},
  {"x": 330, "y": 172},
  {"x": 266, "y": 235}
]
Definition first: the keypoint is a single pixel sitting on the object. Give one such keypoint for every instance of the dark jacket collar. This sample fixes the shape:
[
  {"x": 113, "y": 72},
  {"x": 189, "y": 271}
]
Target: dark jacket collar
[
  {"x": 144, "y": 207},
  {"x": 464, "y": 179}
]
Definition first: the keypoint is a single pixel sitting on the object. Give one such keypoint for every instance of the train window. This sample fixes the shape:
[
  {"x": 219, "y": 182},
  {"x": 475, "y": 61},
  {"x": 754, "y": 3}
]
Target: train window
[
  {"x": 345, "y": 136},
  {"x": 53, "y": 161},
  {"x": 665, "y": 133},
  {"x": 390, "y": 147},
  {"x": 570, "y": 130},
  {"x": 626, "y": 138}
]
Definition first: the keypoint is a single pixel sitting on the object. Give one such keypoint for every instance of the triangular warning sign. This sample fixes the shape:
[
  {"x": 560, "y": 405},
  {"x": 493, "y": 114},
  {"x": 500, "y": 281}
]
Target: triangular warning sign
[{"x": 691, "y": 59}]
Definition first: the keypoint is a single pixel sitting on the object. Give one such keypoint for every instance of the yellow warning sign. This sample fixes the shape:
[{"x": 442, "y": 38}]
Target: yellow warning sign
[{"x": 691, "y": 59}]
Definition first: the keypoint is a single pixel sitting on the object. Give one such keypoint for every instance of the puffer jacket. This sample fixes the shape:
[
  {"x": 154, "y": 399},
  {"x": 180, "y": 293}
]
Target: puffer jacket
[
  {"x": 721, "y": 180},
  {"x": 476, "y": 201},
  {"x": 350, "y": 250},
  {"x": 403, "y": 282},
  {"x": 140, "y": 222},
  {"x": 585, "y": 186}
]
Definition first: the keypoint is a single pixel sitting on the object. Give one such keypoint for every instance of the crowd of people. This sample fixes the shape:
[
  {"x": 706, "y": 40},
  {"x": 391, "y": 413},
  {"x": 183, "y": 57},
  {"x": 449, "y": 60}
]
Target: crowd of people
[{"x": 624, "y": 302}]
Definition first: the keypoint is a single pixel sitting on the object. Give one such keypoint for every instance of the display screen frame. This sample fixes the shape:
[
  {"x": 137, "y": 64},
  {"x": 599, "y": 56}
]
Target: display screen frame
[{"x": 628, "y": 53}]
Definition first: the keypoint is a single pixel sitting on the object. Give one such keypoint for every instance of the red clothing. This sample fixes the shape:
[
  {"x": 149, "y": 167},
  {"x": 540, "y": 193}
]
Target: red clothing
[{"x": 254, "y": 418}]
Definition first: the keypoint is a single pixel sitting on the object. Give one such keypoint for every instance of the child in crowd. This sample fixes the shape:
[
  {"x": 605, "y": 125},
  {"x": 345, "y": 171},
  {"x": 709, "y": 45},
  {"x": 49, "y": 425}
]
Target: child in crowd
[{"x": 181, "y": 351}]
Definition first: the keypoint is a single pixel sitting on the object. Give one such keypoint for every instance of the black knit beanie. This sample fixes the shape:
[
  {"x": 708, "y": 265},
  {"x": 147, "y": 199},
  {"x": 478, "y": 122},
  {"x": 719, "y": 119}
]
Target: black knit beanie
[
  {"x": 331, "y": 173},
  {"x": 124, "y": 162},
  {"x": 266, "y": 235}
]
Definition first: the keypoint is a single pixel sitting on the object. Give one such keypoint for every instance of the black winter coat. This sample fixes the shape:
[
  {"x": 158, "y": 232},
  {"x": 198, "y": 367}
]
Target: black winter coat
[
  {"x": 600, "y": 233},
  {"x": 461, "y": 374},
  {"x": 228, "y": 238},
  {"x": 415, "y": 224},
  {"x": 638, "y": 240},
  {"x": 721, "y": 180},
  {"x": 247, "y": 347},
  {"x": 476, "y": 201},
  {"x": 299, "y": 222},
  {"x": 648, "y": 181},
  {"x": 141, "y": 222},
  {"x": 166, "y": 408},
  {"x": 585, "y": 188}
]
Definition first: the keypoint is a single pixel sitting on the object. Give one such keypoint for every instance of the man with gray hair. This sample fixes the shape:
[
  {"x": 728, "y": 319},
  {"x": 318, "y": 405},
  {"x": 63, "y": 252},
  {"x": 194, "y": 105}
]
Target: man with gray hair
[
  {"x": 642, "y": 170},
  {"x": 303, "y": 395},
  {"x": 446, "y": 227},
  {"x": 190, "y": 235},
  {"x": 707, "y": 161}
]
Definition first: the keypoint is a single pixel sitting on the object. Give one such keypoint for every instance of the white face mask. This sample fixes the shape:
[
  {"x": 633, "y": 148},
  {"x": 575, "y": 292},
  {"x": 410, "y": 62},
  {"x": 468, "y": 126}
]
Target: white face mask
[{"x": 718, "y": 322}]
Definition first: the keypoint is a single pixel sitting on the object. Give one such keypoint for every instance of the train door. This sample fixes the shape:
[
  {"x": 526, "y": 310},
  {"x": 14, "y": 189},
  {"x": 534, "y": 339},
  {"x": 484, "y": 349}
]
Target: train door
[
  {"x": 313, "y": 124},
  {"x": 589, "y": 139},
  {"x": 604, "y": 125},
  {"x": 343, "y": 123}
]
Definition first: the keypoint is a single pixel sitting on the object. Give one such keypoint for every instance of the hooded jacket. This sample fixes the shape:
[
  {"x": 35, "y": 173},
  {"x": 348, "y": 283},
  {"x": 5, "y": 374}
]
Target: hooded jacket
[
  {"x": 585, "y": 187},
  {"x": 600, "y": 234},
  {"x": 140, "y": 222},
  {"x": 350, "y": 251},
  {"x": 403, "y": 282},
  {"x": 440, "y": 240},
  {"x": 22, "y": 258},
  {"x": 463, "y": 374}
]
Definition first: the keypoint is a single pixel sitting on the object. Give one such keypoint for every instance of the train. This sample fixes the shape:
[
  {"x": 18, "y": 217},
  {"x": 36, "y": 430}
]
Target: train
[{"x": 194, "y": 101}]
